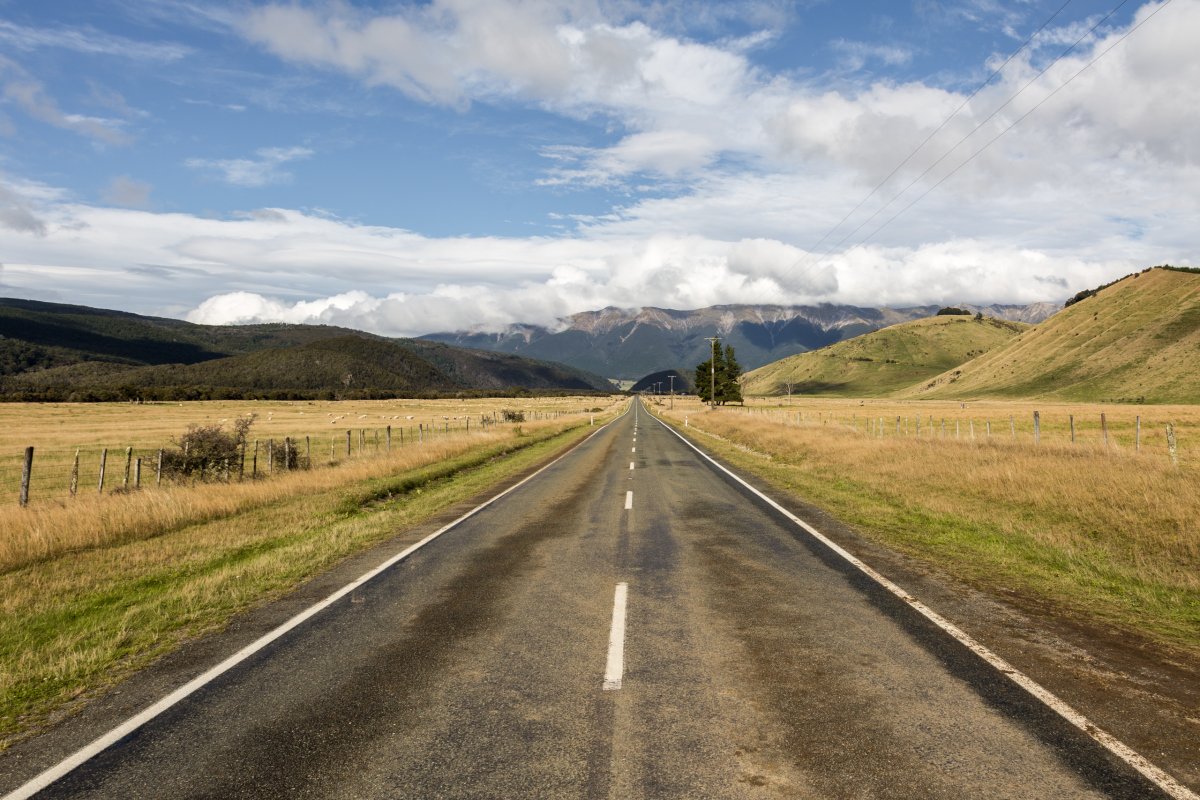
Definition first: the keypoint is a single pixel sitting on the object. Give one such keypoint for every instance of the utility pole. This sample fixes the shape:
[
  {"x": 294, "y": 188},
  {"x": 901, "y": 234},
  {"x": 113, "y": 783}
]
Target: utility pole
[
  {"x": 672, "y": 379},
  {"x": 712, "y": 397}
]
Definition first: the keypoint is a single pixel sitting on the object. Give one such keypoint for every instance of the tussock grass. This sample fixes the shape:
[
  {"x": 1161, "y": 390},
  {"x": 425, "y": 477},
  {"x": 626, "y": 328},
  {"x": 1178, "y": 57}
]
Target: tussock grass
[
  {"x": 883, "y": 361},
  {"x": 1105, "y": 532},
  {"x": 47, "y": 530},
  {"x": 1135, "y": 339}
]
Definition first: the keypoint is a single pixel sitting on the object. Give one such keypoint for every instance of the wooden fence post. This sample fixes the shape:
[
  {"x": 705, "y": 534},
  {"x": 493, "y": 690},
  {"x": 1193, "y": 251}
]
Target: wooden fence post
[
  {"x": 1171, "y": 450},
  {"x": 389, "y": 438},
  {"x": 137, "y": 474},
  {"x": 308, "y": 452},
  {"x": 347, "y": 444},
  {"x": 989, "y": 429},
  {"x": 1012, "y": 426},
  {"x": 254, "y": 462},
  {"x": 158, "y": 465},
  {"x": 128, "y": 464},
  {"x": 1137, "y": 442},
  {"x": 75, "y": 475},
  {"x": 103, "y": 462},
  {"x": 26, "y": 476},
  {"x": 1104, "y": 427},
  {"x": 287, "y": 453},
  {"x": 1072, "y": 418},
  {"x": 270, "y": 455},
  {"x": 1037, "y": 427}
]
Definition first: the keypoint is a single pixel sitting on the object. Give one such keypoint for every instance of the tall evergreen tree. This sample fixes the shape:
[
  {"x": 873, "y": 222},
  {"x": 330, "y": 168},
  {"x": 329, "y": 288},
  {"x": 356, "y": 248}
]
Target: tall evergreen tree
[
  {"x": 727, "y": 373},
  {"x": 730, "y": 390}
]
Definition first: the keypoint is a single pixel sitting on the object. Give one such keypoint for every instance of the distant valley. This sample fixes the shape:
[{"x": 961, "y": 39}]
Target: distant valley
[{"x": 632, "y": 343}]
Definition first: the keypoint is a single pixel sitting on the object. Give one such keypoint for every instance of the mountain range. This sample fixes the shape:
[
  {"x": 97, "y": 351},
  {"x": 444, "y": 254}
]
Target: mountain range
[{"x": 631, "y": 343}]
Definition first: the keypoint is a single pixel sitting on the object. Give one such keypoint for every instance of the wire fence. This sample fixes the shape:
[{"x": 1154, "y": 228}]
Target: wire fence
[
  {"x": 36, "y": 474},
  {"x": 1151, "y": 434}
]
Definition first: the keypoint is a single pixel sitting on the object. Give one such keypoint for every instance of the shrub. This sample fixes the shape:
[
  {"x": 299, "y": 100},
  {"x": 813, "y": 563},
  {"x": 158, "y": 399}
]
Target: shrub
[
  {"x": 510, "y": 415},
  {"x": 208, "y": 451}
]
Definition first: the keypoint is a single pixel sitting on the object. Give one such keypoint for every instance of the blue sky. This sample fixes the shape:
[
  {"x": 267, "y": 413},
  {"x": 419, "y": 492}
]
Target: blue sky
[{"x": 408, "y": 167}]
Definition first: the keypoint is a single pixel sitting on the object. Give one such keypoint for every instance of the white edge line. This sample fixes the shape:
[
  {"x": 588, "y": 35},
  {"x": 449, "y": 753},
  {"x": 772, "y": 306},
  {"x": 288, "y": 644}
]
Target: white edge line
[
  {"x": 1114, "y": 745},
  {"x": 99, "y": 745},
  {"x": 614, "y": 668}
]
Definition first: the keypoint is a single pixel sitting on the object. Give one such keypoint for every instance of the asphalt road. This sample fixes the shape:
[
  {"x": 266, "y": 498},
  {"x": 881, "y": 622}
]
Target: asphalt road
[{"x": 755, "y": 664}]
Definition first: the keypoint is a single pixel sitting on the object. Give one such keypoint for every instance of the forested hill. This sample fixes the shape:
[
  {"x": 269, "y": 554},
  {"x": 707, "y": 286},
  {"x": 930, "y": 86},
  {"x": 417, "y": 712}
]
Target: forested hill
[{"x": 50, "y": 351}]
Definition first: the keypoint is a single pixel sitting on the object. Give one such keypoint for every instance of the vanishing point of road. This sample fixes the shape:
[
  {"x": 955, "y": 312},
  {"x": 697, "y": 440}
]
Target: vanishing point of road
[{"x": 629, "y": 623}]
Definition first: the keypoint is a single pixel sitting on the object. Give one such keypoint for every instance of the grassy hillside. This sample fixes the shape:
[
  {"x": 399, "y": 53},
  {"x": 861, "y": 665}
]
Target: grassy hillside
[
  {"x": 1136, "y": 340},
  {"x": 883, "y": 361},
  {"x": 50, "y": 351}
]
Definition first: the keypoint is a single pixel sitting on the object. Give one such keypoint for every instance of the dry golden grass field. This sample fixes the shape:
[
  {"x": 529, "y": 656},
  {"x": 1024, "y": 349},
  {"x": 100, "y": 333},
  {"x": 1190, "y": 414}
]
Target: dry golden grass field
[
  {"x": 1110, "y": 532},
  {"x": 58, "y": 430}
]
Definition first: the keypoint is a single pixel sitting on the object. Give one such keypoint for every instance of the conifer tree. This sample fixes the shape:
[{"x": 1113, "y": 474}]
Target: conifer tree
[{"x": 727, "y": 373}]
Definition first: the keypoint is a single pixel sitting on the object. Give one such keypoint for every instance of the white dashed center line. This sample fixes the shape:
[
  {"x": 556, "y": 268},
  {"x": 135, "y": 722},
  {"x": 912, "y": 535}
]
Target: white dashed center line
[
  {"x": 614, "y": 670},
  {"x": 628, "y": 500}
]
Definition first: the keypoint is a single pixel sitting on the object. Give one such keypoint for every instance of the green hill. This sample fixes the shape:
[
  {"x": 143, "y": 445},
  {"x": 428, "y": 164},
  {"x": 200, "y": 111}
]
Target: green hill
[
  {"x": 57, "y": 352},
  {"x": 681, "y": 385},
  {"x": 883, "y": 361},
  {"x": 1135, "y": 340}
]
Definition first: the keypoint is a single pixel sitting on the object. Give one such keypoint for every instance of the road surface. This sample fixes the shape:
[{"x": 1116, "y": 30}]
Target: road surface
[{"x": 631, "y": 623}]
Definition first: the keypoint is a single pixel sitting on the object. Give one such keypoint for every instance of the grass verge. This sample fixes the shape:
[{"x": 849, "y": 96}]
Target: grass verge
[
  {"x": 1107, "y": 539},
  {"x": 77, "y": 623}
]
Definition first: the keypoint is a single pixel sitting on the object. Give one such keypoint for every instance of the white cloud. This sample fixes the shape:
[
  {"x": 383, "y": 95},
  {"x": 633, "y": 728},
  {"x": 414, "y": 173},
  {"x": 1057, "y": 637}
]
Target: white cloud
[
  {"x": 90, "y": 41},
  {"x": 19, "y": 88},
  {"x": 682, "y": 105},
  {"x": 253, "y": 172},
  {"x": 284, "y": 265},
  {"x": 856, "y": 55},
  {"x": 127, "y": 192},
  {"x": 16, "y": 213}
]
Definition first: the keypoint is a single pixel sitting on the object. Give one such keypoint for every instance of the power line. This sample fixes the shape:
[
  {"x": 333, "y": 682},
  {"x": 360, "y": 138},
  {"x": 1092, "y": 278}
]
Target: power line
[
  {"x": 977, "y": 128},
  {"x": 1016, "y": 122},
  {"x": 939, "y": 128}
]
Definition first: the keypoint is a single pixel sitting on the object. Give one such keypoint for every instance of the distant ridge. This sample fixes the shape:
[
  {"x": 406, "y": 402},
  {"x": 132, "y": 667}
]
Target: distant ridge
[
  {"x": 631, "y": 343},
  {"x": 1136, "y": 340},
  {"x": 50, "y": 351}
]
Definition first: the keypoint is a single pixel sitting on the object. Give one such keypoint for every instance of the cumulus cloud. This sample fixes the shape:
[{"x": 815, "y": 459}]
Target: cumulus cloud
[
  {"x": 253, "y": 172},
  {"x": 285, "y": 265}
]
